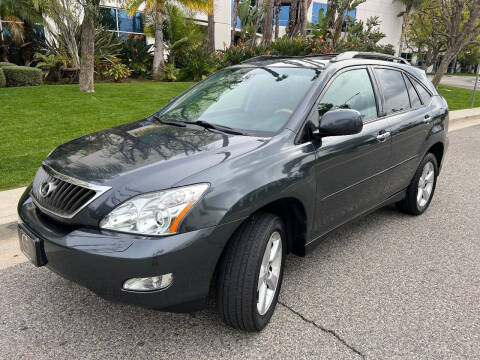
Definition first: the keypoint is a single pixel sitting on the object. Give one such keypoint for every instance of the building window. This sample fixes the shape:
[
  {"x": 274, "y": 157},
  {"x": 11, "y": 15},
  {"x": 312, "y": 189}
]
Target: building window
[
  {"x": 284, "y": 14},
  {"x": 120, "y": 22},
  {"x": 317, "y": 7}
]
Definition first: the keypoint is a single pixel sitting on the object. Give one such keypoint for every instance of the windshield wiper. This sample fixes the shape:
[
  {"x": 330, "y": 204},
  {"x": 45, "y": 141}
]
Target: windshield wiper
[
  {"x": 166, "y": 122},
  {"x": 221, "y": 128}
]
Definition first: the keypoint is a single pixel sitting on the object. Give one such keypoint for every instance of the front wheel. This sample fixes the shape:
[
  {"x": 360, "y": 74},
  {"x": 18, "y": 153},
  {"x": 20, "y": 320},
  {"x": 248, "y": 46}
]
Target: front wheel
[
  {"x": 420, "y": 192},
  {"x": 251, "y": 272}
]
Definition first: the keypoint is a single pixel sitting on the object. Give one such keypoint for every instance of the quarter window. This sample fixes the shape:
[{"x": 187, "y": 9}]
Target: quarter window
[
  {"x": 351, "y": 90},
  {"x": 414, "y": 99},
  {"x": 394, "y": 90},
  {"x": 424, "y": 94}
]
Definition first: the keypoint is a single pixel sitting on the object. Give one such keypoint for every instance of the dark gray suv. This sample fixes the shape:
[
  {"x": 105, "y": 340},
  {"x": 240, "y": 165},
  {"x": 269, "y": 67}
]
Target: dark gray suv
[{"x": 212, "y": 192}]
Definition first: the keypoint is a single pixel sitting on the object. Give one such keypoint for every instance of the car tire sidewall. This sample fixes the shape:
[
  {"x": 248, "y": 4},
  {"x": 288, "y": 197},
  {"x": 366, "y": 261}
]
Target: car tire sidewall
[{"x": 262, "y": 320}]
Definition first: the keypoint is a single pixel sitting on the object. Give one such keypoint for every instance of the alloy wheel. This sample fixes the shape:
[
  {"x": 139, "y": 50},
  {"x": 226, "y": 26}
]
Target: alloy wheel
[
  {"x": 269, "y": 273},
  {"x": 425, "y": 184}
]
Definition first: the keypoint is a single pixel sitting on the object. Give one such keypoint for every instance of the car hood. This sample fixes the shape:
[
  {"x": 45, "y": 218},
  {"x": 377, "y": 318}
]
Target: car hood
[{"x": 146, "y": 155}]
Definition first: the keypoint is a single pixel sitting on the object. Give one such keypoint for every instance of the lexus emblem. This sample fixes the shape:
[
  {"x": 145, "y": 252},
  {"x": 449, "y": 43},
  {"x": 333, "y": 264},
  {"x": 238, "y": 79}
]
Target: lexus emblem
[{"x": 46, "y": 189}]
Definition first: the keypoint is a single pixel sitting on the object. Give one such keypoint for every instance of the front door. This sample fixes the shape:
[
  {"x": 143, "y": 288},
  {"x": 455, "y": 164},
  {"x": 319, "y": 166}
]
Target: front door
[{"x": 351, "y": 171}]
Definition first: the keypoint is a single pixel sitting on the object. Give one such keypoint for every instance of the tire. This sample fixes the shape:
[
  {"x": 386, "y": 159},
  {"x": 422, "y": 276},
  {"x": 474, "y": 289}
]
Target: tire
[
  {"x": 238, "y": 280},
  {"x": 411, "y": 204}
]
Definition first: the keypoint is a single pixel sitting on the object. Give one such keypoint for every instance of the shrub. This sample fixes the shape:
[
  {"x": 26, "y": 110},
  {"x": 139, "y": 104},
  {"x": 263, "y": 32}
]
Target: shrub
[
  {"x": 3, "y": 82},
  {"x": 116, "y": 71},
  {"x": 198, "y": 64},
  {"x": 236, "y": 54},
  {"x": 22, "y": 76},
  {"x": 3, "y": 64},
  {"x": 137, "y": 55}
]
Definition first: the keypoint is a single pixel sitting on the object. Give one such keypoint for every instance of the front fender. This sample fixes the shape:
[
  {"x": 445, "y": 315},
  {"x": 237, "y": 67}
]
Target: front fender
[{"x": 243, "y": 185}]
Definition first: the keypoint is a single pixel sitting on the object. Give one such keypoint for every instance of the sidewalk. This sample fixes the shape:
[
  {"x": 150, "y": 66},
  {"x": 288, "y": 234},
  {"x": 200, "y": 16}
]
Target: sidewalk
[{"x": 10, "y": 253}]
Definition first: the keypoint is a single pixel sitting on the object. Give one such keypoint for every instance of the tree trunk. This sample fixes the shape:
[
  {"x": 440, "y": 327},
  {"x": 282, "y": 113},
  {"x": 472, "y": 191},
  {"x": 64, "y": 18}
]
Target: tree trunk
[
  {"x": 303, "y": 18},
  {"x": 447, "y": 59},
  {"x": 278, "y": 7},
  {"x": 27, "y": 47},
  {"x": 158, "y": 55},
  {"x": 234, "y": 24},
  {"x": 268, "y": 23},
  {"x": 211, "y": 30},
  {"x": 404, "y": 29},
  {"x": 292, "y": 19},
  {"x": 88, "y": 47},
  {"x": 253, "y": 40}
]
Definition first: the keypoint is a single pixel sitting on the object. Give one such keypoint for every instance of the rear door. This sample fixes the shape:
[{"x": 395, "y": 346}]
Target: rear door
[
  {"x": 350, "y": 170},
  {"x": 409, "y": 118}
]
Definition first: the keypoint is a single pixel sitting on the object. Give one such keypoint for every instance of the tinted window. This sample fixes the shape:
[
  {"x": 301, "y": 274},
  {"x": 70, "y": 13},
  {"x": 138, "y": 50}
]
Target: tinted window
[
  {"x": 251, "y": 99},
  {"x": 351, "y": 90},
  {"x": 394, "y": 90},
  {"x": 130, "y": 23},
  {"x": 108, "y": 18},
  {"x": 414, "y": 99},
  {"x": 424, "y": 94}
]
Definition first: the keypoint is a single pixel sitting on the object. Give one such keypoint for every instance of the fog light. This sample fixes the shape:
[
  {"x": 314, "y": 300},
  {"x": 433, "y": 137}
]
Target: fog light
[{"x": 148, "y": 283}]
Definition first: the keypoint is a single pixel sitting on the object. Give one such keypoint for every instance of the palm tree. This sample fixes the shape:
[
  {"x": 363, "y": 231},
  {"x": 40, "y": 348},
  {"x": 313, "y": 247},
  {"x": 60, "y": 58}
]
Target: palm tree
[
  {"x": 157, "y": 8},
  {"x": 21, "y": 16},
  {"x": 409, "y": 6},
  {"x": 234, "y": 23},
  {"x": 211, "y": 26}
]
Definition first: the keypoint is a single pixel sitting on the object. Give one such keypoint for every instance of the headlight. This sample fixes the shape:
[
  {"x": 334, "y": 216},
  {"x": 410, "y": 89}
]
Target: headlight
[{"x": 157, "y": 213}]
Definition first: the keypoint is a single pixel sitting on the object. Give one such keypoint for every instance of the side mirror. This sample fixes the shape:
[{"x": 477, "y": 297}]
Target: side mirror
[{"x": 340, "y": 122}]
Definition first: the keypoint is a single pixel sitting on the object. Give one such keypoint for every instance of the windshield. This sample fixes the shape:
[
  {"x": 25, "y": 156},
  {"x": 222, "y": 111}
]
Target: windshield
[{"x": 247, "y": 99}]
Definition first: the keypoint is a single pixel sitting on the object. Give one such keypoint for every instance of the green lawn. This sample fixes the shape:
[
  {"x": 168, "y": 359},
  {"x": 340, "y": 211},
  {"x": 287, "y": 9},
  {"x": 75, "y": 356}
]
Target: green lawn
[
  {"x": 458, "y": 98},
  {"x": 36, "y": 119}
]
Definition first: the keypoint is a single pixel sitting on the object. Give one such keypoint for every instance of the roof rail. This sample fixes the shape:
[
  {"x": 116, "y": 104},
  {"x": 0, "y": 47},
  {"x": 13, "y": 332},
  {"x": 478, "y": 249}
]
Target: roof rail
[
  {"x": 273, "y": 57},
  {"x": 369, "y": 55}
]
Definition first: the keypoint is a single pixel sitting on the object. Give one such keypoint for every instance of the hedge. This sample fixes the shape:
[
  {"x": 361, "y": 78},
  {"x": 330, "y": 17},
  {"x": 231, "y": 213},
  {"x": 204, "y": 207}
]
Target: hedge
[
  {"x": 3, "y": 82},
  {"x": 3, "y": 64},
  {"x": 22, "y": 76}
]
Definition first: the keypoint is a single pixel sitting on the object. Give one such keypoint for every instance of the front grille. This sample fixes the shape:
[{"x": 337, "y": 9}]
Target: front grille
[{"x": 61, "y": 195}]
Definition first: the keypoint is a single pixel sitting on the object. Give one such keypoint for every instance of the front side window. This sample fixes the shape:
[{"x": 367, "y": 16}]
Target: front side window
[
  {"x": 394, "y": 90},
  {"x": 351, "y": 90},
  {"x": 256, "y": 99}
]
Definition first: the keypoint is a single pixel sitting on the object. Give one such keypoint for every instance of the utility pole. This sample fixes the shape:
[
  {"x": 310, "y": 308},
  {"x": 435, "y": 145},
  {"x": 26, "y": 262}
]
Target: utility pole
[{"x": 475, "y": 87}]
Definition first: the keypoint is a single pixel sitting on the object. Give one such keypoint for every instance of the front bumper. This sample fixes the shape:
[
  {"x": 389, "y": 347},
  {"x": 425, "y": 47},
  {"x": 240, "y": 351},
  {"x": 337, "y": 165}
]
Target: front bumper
[{"x": 103, "y": 260}]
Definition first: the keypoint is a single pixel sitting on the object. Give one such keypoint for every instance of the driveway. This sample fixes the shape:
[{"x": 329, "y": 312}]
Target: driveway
[{"x": 386, "y": 286}]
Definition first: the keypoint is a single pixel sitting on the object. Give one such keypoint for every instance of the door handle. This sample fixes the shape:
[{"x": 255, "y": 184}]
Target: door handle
[
  {"x": 427, "y": 119},
  {"x": 383, "y": 135}
]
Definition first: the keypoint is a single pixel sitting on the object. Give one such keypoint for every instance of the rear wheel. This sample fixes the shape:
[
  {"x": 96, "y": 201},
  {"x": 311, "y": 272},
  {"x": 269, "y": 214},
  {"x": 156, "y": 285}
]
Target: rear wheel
[
  {"x": 421, "y": 190},
  {"x": 251, "y": 272}
]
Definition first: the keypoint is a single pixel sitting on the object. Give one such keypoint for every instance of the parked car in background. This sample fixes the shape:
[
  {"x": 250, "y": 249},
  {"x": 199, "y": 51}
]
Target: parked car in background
[{"x": 213, "y": 191}]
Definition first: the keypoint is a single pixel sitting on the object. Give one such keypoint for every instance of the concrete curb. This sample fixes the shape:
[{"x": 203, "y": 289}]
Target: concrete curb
[
  {"x": 8, "y": 199},
  {"x": 8, "y": 205},
  {"x": 464, "y": 114}
]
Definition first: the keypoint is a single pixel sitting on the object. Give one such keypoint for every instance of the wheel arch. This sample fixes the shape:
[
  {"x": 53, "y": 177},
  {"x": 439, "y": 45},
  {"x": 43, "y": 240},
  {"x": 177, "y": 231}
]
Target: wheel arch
[{"x": 437, "y": 150}]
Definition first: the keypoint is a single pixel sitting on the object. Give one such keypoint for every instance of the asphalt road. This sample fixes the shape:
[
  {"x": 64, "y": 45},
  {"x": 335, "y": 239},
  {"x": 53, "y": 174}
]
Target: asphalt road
[
  {"x": 466, "y": 82},
  {"x": 386, "y": 286}
]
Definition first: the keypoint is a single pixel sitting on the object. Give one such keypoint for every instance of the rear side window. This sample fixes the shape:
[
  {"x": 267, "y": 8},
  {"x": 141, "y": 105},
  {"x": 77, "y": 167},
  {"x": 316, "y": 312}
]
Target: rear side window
[
  {"x": 424, "y": 94},
  {"x": 394, "y": 90},
  {"x": 351, "y": 90},
  {"x": 414, "y": 98}
]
